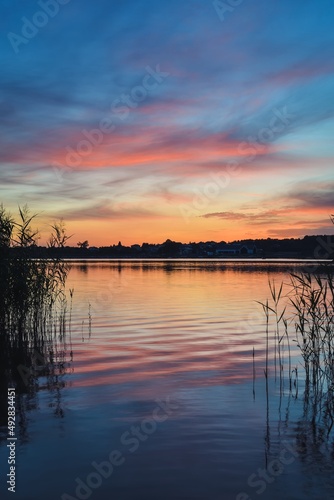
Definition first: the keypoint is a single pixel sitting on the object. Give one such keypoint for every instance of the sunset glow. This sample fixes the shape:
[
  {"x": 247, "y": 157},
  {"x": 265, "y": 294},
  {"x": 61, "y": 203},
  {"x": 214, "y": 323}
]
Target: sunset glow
[{"x": 142, "y": 121}]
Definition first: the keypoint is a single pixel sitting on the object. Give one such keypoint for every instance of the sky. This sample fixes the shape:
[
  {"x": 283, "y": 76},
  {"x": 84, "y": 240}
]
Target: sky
[{"x": 140, "y": 120}]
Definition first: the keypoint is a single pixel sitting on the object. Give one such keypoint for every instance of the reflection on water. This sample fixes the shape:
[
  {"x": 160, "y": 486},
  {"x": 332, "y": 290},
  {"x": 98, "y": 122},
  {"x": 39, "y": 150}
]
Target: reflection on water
[
  {"x": 32, "y": 328},
  {"x": 148, "y": 335},
  {"x": 35, "y": 369}
]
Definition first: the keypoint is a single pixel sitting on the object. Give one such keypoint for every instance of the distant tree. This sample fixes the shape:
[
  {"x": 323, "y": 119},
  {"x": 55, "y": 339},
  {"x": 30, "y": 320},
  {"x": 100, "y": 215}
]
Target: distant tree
[{"x": 83, "y": 244}]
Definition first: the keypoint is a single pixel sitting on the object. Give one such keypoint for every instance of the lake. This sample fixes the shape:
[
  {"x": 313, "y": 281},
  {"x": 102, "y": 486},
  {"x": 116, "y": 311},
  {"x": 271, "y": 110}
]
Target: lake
[{"x": 159, "y": 393}]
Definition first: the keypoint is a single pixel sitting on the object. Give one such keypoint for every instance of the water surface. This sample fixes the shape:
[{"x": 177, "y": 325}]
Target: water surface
[{"x": 158, "y": 376}]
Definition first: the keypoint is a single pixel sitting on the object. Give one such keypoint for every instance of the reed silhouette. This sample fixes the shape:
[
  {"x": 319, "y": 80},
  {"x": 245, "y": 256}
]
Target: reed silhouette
[
  {"x": 33, "y": 306},
  {"x": 308, "y": 309}
]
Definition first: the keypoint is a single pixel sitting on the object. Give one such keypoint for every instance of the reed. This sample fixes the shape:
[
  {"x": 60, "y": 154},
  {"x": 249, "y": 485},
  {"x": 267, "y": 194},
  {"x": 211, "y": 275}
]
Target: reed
[
  {"x": 312, "y": 298},
  {"x": 33, "y": 305},
  {"x": 277, "y": 338},
  {"x": 309, "y": 311}
]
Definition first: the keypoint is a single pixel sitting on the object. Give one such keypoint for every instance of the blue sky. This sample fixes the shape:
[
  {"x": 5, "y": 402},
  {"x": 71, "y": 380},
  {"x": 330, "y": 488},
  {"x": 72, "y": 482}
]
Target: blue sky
[{"x": 141, "y": 121}]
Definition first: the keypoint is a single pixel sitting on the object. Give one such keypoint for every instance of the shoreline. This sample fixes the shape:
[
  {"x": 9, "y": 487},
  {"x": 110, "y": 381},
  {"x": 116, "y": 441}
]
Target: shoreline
[{"x": 201, "y": 259}]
